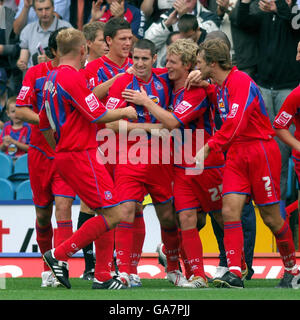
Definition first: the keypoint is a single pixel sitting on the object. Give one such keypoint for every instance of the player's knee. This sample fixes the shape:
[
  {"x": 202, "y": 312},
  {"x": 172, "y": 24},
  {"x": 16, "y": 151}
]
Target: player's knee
[{"x": 188, "y": 220}]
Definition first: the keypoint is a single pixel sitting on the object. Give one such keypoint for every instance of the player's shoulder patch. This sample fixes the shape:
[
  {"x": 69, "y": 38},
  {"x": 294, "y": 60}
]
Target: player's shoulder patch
[
  {"x": 112, "y": 103},
  {"x": 283, "y": 118},
  {"x": 23, "y": 92},
  {"x": 92, "y": 102},
  {"x": 234, "y": 110},
  {"x": 182, "y": 107}
]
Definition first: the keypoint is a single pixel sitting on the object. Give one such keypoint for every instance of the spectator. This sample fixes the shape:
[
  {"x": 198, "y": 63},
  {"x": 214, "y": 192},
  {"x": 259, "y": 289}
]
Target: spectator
[
  {"x": 114, "y": 8},
  {"x": 4, "y": 95},
  {"x": 94, "y": 34},
  {"x": 168, "y": 22},
  {"x": 161, "y": 54},
  {"x": 14, "y": 139},
  {"x": 245, "y": 42},
  {"x": 188, "y": 27},
  {"x": 26, "y": 13},
  {"x": 277, "y": 71},
  {"x": 34, "y": 37},
  {"x": 9, "y": 49},
  {"x": 153, "y": 9}
]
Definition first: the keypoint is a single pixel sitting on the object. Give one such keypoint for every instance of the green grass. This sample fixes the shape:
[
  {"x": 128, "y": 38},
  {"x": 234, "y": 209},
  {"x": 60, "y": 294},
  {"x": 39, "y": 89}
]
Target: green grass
[{"x": 153, "y": 289}]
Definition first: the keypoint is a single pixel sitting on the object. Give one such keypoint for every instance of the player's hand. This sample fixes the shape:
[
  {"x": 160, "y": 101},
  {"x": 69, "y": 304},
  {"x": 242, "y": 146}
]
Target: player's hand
[
  {"x": 201, "y": 155},
  {"x": 135, "y": 97},
  {"x": 195, "y": 79},
  {"x": 97, "y": 12},
  {"x": 130, "y": 113}
]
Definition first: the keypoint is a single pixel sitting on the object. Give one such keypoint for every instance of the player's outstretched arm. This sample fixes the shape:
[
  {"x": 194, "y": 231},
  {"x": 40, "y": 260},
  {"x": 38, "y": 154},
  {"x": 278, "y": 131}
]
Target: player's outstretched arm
[
  {"x": 285, "y": 136},
  {"x": 27, "y": 115},
  {"x": 141, "y": 98},
  {"x": 118, "y": 114}
]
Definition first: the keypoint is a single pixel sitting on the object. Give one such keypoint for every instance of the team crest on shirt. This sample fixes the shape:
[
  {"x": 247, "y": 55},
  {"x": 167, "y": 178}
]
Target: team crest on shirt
[
  {"x": 107, "y": 195},
  {"x": 158, "y": 85},
  {"x": 92, "y": 102},
  {"x": 183, "y": 107},
  {"x": 283, "y": 119},
  {"x": 234, "y": 110},
  {"x": 23, "y": 92},
  {"x": 112, "y": 103}
]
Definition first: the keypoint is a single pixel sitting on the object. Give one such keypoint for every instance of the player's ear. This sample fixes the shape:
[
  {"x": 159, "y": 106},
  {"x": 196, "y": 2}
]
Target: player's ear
[{"x": 154, "y": 58}]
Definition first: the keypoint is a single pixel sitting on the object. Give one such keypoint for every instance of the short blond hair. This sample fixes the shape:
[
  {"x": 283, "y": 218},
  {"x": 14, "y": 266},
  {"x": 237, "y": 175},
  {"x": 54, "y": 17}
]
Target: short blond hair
[
  {"x": 186, "y": 49},
  {"x": 69, "y": 41}
]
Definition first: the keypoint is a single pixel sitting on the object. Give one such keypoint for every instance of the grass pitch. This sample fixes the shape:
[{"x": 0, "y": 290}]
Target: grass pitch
[{"x": 152, "y": 289}]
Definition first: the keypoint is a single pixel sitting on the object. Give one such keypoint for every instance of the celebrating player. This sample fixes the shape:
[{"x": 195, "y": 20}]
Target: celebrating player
[
  {"x": 251, "y": 167},
  {"x": 71, "y": 110},
  {"x": 46, "y": 184},
  {"x": 133, "y": 178}
]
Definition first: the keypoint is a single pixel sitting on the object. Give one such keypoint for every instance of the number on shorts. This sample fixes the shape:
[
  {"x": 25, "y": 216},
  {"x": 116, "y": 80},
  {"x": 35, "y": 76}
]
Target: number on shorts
[
  {"x": 215, "y": 193},
  {"x": 267, "y": 181}
]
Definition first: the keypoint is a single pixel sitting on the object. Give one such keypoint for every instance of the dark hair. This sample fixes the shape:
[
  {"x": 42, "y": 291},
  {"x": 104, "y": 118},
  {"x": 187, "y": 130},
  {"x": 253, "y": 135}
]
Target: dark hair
[
  {"x": 52, "y": 44},
  {"x": 169, "y": 38},
  {"x": 187, "y": 22},
  {"x": 218, "y": 34},
  {"x": 113, "y": 25},
  {"x": 145, "y": 44}
]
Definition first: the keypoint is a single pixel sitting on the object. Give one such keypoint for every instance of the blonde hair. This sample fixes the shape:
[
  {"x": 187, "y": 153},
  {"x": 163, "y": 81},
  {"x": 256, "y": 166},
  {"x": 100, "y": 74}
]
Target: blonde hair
[
  {"x": 186, "y": 49},
  {"x": 69, "y": 41},
  {"x": 216, "y": 50},
  {"x": 90, "y": 29},
  {"x": 10, "y": 101}
]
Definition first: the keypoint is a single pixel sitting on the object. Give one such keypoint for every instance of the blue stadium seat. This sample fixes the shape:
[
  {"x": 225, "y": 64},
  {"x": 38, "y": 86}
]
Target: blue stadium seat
[
  {"x": 292, "y": 183},
  {"x": 20, "y": 171},
  {"x": 23, "y": 191},
  {"x": 6, "y": 165},
  {"x": 6, "y": 190}
]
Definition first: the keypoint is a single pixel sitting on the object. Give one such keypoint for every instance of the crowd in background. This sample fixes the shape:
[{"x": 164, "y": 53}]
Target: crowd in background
[{"x": 263, "y": 36}]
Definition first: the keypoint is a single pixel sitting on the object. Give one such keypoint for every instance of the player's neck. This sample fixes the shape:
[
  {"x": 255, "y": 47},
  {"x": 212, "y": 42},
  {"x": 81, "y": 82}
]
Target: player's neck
[
  {"x": 178, "y": 84},
  {"x": 220, "y": 76},
  {"x": 69, "y": 61},
  {"x": 115, "y": 58}
]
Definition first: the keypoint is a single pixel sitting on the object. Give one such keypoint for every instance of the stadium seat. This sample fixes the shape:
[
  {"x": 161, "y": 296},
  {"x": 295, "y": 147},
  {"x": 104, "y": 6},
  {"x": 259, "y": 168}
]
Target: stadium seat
[
  {"x": 6, "y": 165},
  {"x": 23, "y": 191},
  {"x": 6, "y": 190},
  {"x": 292, "y": 183},
  {"x": 20, "y": 171}
]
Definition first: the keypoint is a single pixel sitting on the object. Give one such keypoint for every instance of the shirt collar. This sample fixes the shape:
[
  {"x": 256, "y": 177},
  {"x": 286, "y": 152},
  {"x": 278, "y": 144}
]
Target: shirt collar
[{"x": 52, "y": 28}]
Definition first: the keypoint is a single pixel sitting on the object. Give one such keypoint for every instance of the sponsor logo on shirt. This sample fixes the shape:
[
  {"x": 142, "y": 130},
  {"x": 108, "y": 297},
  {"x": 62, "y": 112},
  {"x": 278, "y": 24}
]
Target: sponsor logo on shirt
[
  {"x": 183, "y": 107},
  {"x": 112, "y": 103},
  {"x": 23, "y": 92},
  {"x": 154, "y": 99},
  {"x": 283, "y": 119},
  {"x": 234, "y": 110},
  {"x": 92, "y": 102}
]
